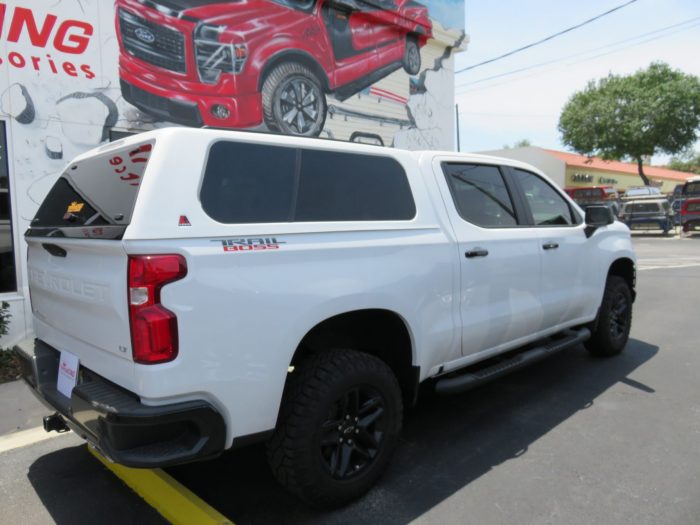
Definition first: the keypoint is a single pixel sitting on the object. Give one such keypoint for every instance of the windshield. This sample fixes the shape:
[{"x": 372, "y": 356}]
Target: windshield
[
  {"x": 94, "y": 198},
  {"x": 642, "y": 207},
  {"x": 692, "y": 188}
]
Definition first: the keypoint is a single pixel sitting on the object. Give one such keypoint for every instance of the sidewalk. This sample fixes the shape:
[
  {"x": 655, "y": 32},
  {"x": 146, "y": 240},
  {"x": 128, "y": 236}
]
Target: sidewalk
[{"x": 19, "y": 408}]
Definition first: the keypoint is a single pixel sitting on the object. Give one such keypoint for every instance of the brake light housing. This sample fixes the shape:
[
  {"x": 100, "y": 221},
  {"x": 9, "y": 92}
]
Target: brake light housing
[{"x": 154, "y": 333}]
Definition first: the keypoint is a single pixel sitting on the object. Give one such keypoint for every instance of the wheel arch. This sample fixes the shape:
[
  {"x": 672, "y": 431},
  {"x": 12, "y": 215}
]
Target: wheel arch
[
  {"x": 624, "y": 267},
  {"x": 294, "y": 55},
  {"x": 379, "y": 332}
]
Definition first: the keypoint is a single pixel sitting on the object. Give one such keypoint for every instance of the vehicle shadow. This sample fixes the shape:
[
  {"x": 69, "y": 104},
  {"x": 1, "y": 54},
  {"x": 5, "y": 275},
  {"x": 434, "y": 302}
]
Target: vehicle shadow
[
  {"x": 76, "y": 489},
  {"x": 447, "y": 443}
]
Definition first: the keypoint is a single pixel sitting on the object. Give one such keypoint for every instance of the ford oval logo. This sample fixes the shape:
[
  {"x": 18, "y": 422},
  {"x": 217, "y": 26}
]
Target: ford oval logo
[{"x": 145, "y": 35}]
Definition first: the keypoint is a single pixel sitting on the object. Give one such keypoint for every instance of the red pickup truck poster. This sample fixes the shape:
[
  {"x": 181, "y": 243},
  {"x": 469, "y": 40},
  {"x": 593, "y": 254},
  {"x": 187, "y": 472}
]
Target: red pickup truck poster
[{"x": 74, "y": 73}]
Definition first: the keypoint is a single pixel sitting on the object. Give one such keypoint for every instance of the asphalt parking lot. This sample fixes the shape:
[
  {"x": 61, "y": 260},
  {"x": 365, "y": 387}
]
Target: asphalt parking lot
[{"x": 570, "y": 440}]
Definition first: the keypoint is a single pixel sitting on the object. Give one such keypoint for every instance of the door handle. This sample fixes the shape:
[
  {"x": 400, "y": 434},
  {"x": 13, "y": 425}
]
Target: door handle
[
  {"x": 54, "y": 250},
  {"x": 476, "y": 252},
  {"x": 550, "y": 246}
]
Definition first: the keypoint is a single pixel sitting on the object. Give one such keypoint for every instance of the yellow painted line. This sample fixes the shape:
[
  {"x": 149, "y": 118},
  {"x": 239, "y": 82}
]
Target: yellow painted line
[
  {"x": 171, "y": 499},
  {"x": 24, "y": 438}
]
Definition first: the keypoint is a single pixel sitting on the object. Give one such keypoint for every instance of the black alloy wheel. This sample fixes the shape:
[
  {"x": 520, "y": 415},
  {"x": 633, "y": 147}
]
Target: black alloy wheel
[
  {"x": 619, "y": 319},
  {"x": 611, "y": 330},
  {"x": 353, "y": 433},
  {"x": 339, "y": 422}
]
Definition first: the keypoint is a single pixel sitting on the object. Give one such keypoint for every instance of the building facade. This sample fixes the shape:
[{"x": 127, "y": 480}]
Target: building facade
[
  {"x": 74, "y": 75},
  {"x": 570, "y": 170}
]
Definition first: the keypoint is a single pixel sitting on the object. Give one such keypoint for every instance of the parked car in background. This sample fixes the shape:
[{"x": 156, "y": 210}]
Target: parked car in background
[
  {"x": 647, "y": 213},
  {"x": 678, "y": 191},
  {"x": 676, "y": 206},
  {"x": 642, "y": 191},
  {"x": 235, "y": 64},
  {"x": 690, "y": 215},
  {"x": 596, "y": 196},
  {"x": 691, "y": 188}
]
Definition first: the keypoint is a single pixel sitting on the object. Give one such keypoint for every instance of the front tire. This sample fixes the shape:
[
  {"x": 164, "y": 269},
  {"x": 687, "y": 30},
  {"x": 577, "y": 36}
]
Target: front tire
[
  {"x": 611, "y": 329},
  {"x": 293, "y": 101},
  {"x": 339, "y": 423}
]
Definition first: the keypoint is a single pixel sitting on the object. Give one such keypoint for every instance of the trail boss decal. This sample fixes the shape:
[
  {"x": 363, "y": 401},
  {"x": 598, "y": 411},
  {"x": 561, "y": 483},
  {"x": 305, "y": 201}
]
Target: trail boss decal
[{"x": 250, "y": 244}]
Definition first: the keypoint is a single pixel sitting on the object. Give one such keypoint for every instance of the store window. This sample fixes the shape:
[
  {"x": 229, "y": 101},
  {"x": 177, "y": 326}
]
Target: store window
[{"x": 8, "y": 281}]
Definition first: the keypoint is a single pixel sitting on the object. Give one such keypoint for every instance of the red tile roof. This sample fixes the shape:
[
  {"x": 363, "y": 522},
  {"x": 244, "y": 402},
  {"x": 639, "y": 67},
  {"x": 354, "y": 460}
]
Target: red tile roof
[{"x": 573, "y": 159}]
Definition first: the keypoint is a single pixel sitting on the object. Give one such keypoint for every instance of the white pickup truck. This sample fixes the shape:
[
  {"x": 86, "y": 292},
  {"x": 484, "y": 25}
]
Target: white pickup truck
[{"x": 197, "y": 290}]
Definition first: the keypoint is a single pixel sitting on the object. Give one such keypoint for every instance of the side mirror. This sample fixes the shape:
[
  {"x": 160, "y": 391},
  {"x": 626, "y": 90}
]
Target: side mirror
[
  {"x": 596, "y": 217},
  {"x": 599, "y": 216}
]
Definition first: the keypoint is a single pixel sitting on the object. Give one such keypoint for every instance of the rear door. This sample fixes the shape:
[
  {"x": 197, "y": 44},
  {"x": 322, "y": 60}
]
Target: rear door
[
  {"x": 77, "y": 264},
  {"x": 499, "y": 258}
]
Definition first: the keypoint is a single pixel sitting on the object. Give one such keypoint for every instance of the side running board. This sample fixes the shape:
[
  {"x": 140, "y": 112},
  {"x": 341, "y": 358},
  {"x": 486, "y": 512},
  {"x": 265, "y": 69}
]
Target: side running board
[{"x": 469, "y": 380}]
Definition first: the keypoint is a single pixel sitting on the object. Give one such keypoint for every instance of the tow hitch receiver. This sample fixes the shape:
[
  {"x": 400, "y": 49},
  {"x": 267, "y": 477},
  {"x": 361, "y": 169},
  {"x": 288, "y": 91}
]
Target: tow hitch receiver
[{"x": 55, "y": 422}]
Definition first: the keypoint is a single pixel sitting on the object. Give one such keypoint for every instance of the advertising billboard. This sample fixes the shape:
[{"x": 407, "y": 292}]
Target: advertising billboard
[
  {"x": 77, "y": 73},
  {"x": 373, "y": 71}
]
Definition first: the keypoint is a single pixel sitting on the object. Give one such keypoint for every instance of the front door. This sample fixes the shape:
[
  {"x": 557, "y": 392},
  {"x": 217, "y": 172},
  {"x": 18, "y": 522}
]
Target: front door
[{"x": 569, "y": 268}]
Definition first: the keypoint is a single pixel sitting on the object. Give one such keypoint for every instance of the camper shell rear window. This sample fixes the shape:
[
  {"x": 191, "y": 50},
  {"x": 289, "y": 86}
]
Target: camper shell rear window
[{"x": 94, "y": 198}]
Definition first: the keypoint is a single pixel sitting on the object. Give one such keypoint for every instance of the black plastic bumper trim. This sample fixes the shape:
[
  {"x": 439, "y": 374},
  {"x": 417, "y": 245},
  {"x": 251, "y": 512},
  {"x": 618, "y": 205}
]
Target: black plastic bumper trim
[
  {"x": 116, "y": 422},
  {"x": 185, "y": 113}
]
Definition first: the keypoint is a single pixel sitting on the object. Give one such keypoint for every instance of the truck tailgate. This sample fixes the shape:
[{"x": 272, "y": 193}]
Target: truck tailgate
[{"x": 79, "y": 299}]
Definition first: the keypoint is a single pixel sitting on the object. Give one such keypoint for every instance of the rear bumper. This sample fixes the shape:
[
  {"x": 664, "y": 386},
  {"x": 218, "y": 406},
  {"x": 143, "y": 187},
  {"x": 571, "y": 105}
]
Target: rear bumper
[{"x": 117, "y": 423}]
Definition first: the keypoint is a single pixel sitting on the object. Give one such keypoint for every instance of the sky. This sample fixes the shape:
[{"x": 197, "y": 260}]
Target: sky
[{"x": 527, "y": 105}]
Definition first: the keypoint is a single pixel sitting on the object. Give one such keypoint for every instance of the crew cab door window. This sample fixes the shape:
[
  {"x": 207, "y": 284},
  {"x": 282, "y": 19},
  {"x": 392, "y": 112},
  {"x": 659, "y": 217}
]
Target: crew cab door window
[
  {"x": 499, "y": 259},
  {"x": 570, "y": 271},
  {"x": 548, "y": 207},
  {"x": 480, "y": 194}
]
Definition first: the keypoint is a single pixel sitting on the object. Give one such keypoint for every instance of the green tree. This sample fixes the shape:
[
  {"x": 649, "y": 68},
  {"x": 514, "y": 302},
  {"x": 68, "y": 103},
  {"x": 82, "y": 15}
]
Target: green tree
[
  {"x": 688, "y": 161},
  {"x": 523, "y": 143},
  {"x": 655, "y": 110}
]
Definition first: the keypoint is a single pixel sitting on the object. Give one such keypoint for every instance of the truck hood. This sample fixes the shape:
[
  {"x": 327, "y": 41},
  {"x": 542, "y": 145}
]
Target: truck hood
[
  {"x": 187, "y": 5},
  {"x": 221, "y": 12},
  {"x": 245, "y": 18}
]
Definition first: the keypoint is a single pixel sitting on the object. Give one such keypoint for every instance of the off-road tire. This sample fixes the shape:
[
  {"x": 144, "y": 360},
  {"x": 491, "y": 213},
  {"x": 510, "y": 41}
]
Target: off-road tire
[
  {"x": 411, "y": 57},
  {"x": 611, "y": 329},
  {"x": 308, "y": 413},
  {"x": 284, "y": 78}
]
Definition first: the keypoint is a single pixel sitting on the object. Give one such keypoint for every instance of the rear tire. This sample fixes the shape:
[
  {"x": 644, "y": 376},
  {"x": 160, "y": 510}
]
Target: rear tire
[
  {"x": 611, "y": 329},
  {"x": 411, "y": 57},
  {"x": 339, "y": 423}
]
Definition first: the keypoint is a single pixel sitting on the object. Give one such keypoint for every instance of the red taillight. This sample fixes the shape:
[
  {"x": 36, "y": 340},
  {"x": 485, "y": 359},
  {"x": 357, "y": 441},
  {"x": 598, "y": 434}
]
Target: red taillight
[{"x": 153, "y": 327}]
